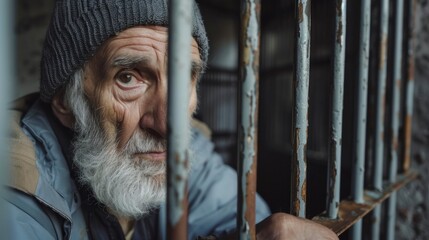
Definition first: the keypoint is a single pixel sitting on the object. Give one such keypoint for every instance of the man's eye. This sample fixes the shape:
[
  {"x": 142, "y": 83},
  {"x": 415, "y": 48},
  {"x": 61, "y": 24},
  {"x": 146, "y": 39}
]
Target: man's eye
[{"x": 126, "y": 78}]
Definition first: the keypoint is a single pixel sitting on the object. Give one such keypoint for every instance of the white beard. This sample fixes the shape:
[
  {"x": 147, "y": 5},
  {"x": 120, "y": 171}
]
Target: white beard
[{"x": 128, "y": 186}]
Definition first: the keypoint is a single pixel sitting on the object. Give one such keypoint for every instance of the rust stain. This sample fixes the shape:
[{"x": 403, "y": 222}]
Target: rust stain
[
  {"x": 340, "y": 32},
  {"x": 395, "y": 143},
  {"x": 295, "y": 176},
  {"x": 340, "y": 26},
  {"x": 300, "y": 12},
  {"x": 398, "y": 83},
  {"x": 304, "y": 191},
  {"x": 297, "y": 207},
  {"x": 407, "y": 152},
  {"x": 250, "y": 198},
  {"x": 350, "y": 212}
]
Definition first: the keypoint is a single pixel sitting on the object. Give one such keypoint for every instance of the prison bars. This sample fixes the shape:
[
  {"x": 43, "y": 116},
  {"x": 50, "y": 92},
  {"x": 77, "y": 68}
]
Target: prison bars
[
  {"x": 361, "y": 108},
  {"x": 379, "y": 115},
  {"x": 179, "y": 75},
  {"x": 334, "y": 153},
  {"x": 7, "y": 69},
  {"x": 249, "y": 76},
  {"x": 300, "y": 111},
  {"x": 350, "y": 212},
  {"x": 409, "y": 86},
  {"x": 395, "y": 116}
]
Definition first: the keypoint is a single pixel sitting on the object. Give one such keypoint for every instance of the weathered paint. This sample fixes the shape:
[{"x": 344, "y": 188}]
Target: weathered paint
[
  {"x": 334, "y": 169},
  {"x": 351, "y": 212},
  {"x": 300, "y": 123},
  {"x": 7, "y": 69},
  {"x": 380, "y": 115},
  {"x": 396, "y": 95},
  {"x": 179, "y": 75},
  {"x": 249, "y": 64},
  {"x": 361, "y": 108},
  {"x": 409, "y": 91}
]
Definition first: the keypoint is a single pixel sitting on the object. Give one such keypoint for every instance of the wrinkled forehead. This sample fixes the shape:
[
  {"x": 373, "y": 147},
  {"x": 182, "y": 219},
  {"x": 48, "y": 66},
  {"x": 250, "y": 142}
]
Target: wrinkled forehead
[{"x": 150, "y": 41}]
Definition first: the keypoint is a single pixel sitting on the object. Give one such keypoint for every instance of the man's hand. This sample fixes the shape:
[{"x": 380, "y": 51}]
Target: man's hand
[{"x": 280, "y": 226}]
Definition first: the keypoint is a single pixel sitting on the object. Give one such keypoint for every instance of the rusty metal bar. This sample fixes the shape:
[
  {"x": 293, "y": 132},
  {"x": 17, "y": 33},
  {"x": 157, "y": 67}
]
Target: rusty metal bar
[
  {"x": 334, "y": 169},
  {"x": 409, "y": 87},
  {"x": 7, "y": 69},
  {"x": 361, "y": 107},
  {"x": 249, "y": 75},
  {"x": 379, "y": 115},
  {"x": 179, "y": 75},
  {"x": 395, "y": 116},
  {"x": 300, "y": 120},
  {"x": 351, "y": 212}
]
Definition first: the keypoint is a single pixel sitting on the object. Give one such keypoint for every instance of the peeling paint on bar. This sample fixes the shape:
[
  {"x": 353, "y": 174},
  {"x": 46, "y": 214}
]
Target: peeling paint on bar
[
  {"x": 380, "y": 116},
  {"x": 350, "y": 212},
  {"x": 301, "y": 84},
  {"x": 361, "y": 107},
  {"x": 179, "y": 73},
  {"x": 250, "y": 35},
  {"x": 409, "y": 87},
  {"x": 334, "y": 169},
  {"x": 396, "y": 96},
  {"x": 7, "y": 69}
]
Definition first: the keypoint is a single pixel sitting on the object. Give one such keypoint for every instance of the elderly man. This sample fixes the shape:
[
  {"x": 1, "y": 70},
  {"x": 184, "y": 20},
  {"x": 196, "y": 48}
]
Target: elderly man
[{"x": 88, "y": 152}]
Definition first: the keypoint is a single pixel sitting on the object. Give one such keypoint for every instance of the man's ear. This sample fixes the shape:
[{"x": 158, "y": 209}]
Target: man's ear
[{"x": 62, "y": 111}]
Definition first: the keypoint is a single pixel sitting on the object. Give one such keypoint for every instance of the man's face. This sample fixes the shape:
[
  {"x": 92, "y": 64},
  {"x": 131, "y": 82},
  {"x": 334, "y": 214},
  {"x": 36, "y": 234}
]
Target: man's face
[
  {"x": 120, "y": 143},
  {"x": 127, "y": 81}
]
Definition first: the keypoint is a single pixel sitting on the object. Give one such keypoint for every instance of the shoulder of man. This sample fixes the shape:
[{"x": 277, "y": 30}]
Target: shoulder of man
[
  {"x": 24, "y": 174},
  {"x": 30, "y": 217}
]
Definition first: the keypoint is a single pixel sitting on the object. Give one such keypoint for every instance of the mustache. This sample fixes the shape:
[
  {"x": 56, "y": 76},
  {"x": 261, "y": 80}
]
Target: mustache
[{"x": 144, "y": 141}]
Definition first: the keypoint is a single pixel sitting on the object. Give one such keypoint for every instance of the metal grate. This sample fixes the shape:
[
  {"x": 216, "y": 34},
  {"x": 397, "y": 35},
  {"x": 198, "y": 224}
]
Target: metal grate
[{"x": 385, "y": 116}]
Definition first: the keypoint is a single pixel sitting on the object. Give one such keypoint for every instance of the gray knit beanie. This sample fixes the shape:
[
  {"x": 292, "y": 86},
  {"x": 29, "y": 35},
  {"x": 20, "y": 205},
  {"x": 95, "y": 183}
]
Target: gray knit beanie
[{"x": 79, "y": 27}]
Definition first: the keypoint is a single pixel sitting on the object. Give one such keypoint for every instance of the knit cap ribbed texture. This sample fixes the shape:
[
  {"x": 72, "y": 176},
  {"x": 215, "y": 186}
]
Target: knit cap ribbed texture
[{"x": 79, "y": 27}]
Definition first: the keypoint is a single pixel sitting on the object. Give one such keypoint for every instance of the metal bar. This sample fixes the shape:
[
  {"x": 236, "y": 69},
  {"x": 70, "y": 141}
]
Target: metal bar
[
  {"x": 7, "y": 68},
  {"x": 334, "y": 169},
  {"x": 361, "y": 107},
  {"x": 380, "y": 115},
  {"x": 351, "y": 212},
  {"x": 300, "y": 120},
  {"x": 396, "y": 95},
  {"x": 249, "y": 65},
  {"x": 409, "y": 87},
  {"x": 179, "y": 75}
]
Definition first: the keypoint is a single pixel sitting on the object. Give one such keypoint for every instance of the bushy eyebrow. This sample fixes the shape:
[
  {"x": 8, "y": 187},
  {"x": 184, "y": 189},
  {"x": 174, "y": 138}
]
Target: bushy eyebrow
[{"x": 130, "y": 61}]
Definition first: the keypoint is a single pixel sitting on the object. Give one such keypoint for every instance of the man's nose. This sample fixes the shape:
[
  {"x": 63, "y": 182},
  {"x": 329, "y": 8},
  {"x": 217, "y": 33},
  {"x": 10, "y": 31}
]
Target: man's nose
[{"x": 155, "y": 117}]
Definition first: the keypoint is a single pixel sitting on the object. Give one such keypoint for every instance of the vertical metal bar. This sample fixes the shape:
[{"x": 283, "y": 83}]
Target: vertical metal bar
[
  {"x": 379, "y": 115},
  {"x": 300, "y": 120},
  {"x": 179, "y": 75},
  {"x": 409, "y": 88},
  {"x": 361, "y": 107},
  {"x": 334, "y": 169},
  {"x": 7, "y": 69},
  {"x": 249, "y": 75},
  {"x": 396, "y": 95}
]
